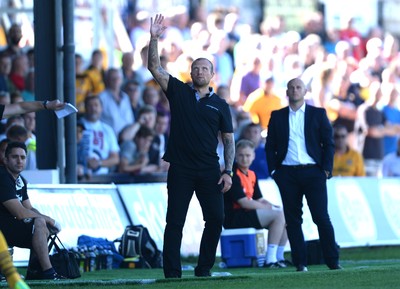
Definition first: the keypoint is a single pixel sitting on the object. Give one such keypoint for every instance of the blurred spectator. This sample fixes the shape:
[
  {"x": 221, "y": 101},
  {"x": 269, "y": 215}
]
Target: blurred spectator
[
  {"x": 30, "y": 125},
  {"x": 103, "y": 151},
  {"x": 135, "y": 156},
  {"x": 14, "y": 36},
  {"x": 151, "y": 96},
  {"x": 163, "y": 104},
  {"x": 16, "y": 97},
  {"x": 6, "y": 84},
  {"x": 223, "y": 68},
  {"x": 28, "y": 94},
  {"x": 391, "y": 163},
  {"x": 116, "y": 110},
  {"x": 127, "y": 70},
  {"x": 82, "y": 170},
  {"x": 96, "y": 72},
  {"x": 223, "y": 92},
  {"x": 12, "y": 120},
  {"x": 146, "y": 117},
  {"x": 252, "y": 132},
  {"x": 83, "y": 84},
  {"x": 314, "y": 25},
  {"x": 18, "y": 133},
  {"x": 373, "y": 125},
  {"x": 3, "y": 146},
  {"x": 161, "y": 138},
  {"x": 391, "y": 112},
  {"x": 19, "y": 70},
  {"x": 132, "y": 89},
  {"x": 140, "y": 31},
  {"x": 250, "y": 81},
  {"x": 262, "y": 102},
  {"x": 347, "y": 162},
  {"x": 350, "y": 34},
  {"x": 142, "y": 69}
]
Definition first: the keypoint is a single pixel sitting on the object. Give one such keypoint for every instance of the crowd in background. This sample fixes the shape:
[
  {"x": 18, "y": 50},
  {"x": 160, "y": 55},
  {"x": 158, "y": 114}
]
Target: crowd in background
[{"x": 123, "y": 118}]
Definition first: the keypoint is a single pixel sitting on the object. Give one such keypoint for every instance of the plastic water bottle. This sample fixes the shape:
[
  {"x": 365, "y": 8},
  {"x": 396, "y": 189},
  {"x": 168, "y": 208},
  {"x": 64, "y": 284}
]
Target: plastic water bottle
[{"x": 109, "y": 259}]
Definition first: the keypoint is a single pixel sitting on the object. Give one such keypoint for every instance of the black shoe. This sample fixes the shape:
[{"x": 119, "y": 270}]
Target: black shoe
[
  {"x": 286, "y": 262},
  {"x": 301, "y": 268},
  {"x": 55, "y": 276},
  {"x": 335, "y": 267},
  {"x": 202, "y": 273},
  {"x": 275, "y": 265}
]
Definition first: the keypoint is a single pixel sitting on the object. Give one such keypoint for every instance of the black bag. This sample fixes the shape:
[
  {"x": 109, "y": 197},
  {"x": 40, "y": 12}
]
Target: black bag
[
  {"x": 136, "y": 241},
  {"x": 63, "y": 261},
  {"x": 314, "y": 253}
]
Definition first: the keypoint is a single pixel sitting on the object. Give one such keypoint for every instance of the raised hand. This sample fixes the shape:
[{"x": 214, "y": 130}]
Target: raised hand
[{"x": 157, "y": 26}]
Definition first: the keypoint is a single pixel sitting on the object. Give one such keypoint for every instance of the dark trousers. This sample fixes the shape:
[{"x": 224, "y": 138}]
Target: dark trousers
[
  {"x": 182, "y": 182},
  {"x": 293, "y": 184}
]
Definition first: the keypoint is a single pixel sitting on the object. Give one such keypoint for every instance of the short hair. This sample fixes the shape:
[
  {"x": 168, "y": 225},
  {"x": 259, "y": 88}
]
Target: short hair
[
  {"x": 92, "y": 97},
  {"x": 13, "y": 145},
  {"x": 15, "y": 131},
  {"x": 244, "y": 143},
  {"x": 144, "y": 131},
  {"x": 147, "y": 109},
  {"x": 4, "y": 141},
  {"x": 14, "y": 118}
]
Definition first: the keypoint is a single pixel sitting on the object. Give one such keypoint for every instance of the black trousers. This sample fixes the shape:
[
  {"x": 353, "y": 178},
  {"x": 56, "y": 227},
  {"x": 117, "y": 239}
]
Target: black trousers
[
  {"x": 293, "y": 184},
  {"x": 181, "y": 183}
]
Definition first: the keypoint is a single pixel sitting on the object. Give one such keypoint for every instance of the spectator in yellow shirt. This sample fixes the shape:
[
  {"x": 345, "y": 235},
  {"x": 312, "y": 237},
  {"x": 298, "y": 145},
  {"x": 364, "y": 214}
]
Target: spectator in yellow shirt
[
  {"x": 261, "y": 102},
  {"x": 347, "y": 162}
]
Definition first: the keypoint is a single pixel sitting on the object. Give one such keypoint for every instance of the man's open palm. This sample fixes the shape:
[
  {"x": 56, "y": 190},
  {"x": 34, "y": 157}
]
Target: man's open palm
[{"x": 157, "y": 26}]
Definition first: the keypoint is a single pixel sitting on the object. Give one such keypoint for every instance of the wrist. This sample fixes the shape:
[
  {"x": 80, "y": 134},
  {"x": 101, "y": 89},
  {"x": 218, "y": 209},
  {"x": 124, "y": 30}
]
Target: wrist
[
  {"x": 228, "y": 172},
  {"x": 44, "y": 103}
]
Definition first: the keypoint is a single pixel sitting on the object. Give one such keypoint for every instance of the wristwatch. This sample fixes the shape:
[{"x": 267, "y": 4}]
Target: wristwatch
[{"x": 228, "y": 172}]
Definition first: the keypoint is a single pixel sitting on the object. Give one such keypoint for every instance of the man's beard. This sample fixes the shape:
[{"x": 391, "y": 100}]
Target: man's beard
[{"x": 200, "y": 82}]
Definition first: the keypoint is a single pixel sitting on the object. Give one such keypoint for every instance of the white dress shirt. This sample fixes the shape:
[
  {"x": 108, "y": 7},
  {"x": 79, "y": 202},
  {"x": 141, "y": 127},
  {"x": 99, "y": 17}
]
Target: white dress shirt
[{"x": 297, "y": 151}]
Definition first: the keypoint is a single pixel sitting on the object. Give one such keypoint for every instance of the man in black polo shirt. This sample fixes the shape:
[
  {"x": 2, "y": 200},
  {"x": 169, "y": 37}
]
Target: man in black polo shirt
[
  {"x": 197, "y": 116},
  {"x": 22, "y": 225}
]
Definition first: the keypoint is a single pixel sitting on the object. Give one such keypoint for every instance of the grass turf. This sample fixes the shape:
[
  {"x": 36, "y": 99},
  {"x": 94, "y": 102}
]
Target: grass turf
[{"x": 366, "y": 267}]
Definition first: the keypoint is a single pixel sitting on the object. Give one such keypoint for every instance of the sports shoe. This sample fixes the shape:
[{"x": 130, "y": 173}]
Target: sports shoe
[
  {"x": 55, "y": 276},
  {"x": 286, "y": 262},
  {"x": 301, "y": 268},
  {"x": 274, "y": 265}
]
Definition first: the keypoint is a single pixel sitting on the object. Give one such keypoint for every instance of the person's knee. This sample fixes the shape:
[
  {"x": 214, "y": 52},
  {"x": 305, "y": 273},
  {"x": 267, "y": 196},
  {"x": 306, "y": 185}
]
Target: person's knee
[{"x": 40, "y": 225}]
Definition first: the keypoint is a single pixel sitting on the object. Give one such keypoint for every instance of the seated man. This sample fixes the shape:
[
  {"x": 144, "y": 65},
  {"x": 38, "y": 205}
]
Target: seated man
[
  {"x": 22, "y": 225},
  {"x": 245, "y": 206}
]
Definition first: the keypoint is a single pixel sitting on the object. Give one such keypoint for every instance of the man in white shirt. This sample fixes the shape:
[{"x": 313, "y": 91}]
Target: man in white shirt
[
  {"x": 300, "y": 151},
  {"x": 117, "y": 111},
  {"x": 103, "y": 150}
]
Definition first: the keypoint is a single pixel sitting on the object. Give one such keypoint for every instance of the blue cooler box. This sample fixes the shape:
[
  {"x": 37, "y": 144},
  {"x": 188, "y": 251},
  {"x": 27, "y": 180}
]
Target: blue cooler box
[{"x": 243, "y": 247}]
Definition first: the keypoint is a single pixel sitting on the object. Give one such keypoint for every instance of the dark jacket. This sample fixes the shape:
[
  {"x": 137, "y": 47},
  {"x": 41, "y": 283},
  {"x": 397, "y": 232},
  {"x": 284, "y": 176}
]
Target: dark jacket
[{"x": 318, "y": 135}]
